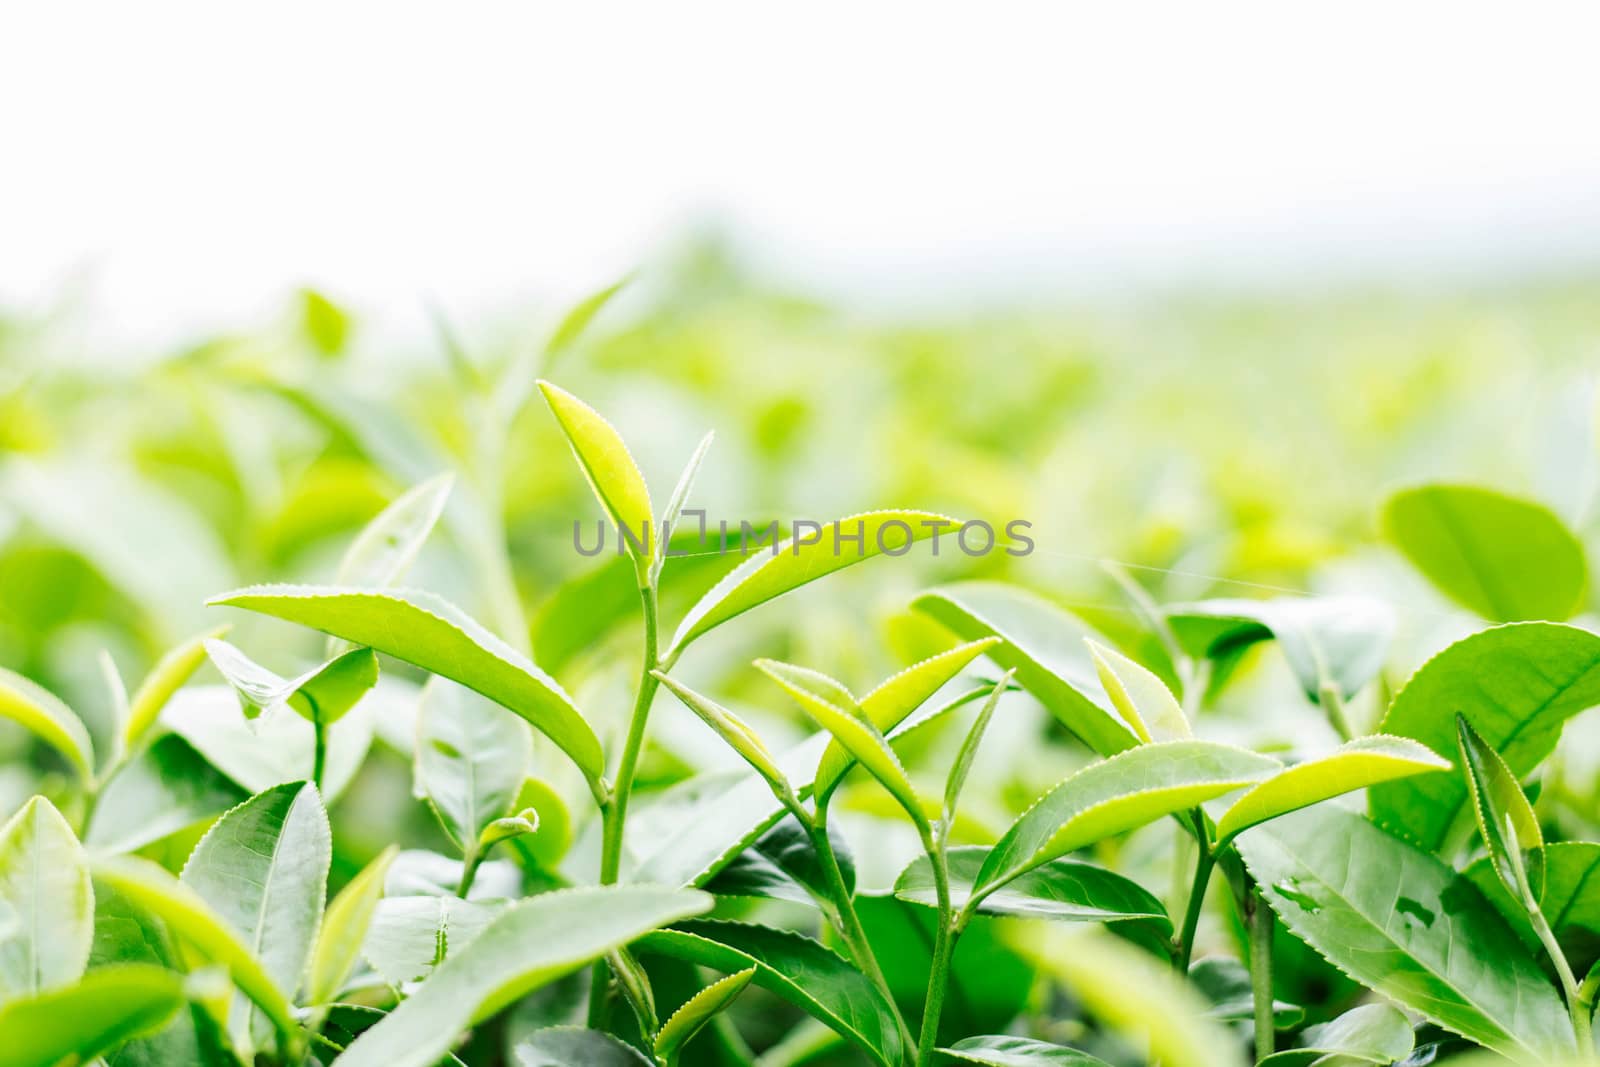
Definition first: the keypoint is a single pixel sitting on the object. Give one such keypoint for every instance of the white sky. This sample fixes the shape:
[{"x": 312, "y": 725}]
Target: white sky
[{"x": 196, "y": 161}]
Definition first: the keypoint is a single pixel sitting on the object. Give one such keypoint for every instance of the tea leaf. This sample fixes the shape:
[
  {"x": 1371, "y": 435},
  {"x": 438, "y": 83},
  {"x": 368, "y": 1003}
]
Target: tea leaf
[
  {"x": 783, "y": 864},
  {"x": 411, "y": 935},
  {"x": 1000, "y": 1051},
  {"x": 1337, "y": 641},
  {"x": 78, "y": 1023},
  {"x": 1505, "y": 558},
  {"x": 851, "y": 729},
  {"x": 679, "y": 497},
  {"x": 321, "y": 695},
  {"x": 471, "y": 759},
  {"x": 37, "y": 710},
  {"x": 682, "y": 1026},
  {"x": 384, "y": 549},
  {"x": 738, "y": 734},
  {"x": 1119, "y": 794},
  {"x": 1357, "y": 764},
  {"x": 795, "y": 968},
  {"x": 263, "y": 869},
  {"x": 1064, "y": 890},
  {"x": 1568, "y": 902},
  {"x": 1371, "y": 1033},
  {"x": 563, "y": 1046},
  {"x": 969, "y": 750},
  {"x": 531, "y": 943},
  {"x": 169, "y": 674},
  {"x": 1516, "y": 684},
  {"x": 789, "y": 565},
  {"x": 1405, "y": 925},
  {"x": 609, "y": 468},
  {"x": 46, "y": 897},
  {"x": 581, "y": 315},
  {"x": 344, "y": 928},
  {"x": 436, "y": 636},
  {"x": 167, "y": 787},
  {"x": 1043, "y": 644},
  {"x": 1505, "y": 818},
  {"x": 192, "y": 920},
  {"x": 1142, "y": 699}
]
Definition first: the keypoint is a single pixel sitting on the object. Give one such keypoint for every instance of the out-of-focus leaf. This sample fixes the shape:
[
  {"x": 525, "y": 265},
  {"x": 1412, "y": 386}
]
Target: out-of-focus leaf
[
  {"x": 1001, "y": 1051},
  {"x": 1505, "y": 818},
  {"x": 436, "y": 636},
  {"x": 47, "y": 718},
  {"x": 1064, "y": 890},
  {"x": 1405, "y": 925},
  {"x": 344, "y": 928},
  {"x": 1516, "y": 684},
  {"x": 167, "y": 787},
  {"x": 1337, "y": 641},
  {"x": 1357, "y": 764},
  {"x": 1225, "y": 982},
  {"x": 1505, "y": 558},
  {"x": 471, "y": 759},
  {"x": 577, "y": 320},
  {"x": 321, "y": 695},
  {"x": 530, "y": 944},
  {"x": 174, "y": 668},
  {"x": 1119, "y": 794},
  {"x": 566, "y": 1046},
  {"x": 1371, "y": 1033},
  {"x": 193, "y": 921},
  {"x": 1045, "y": 646},
  {"x": 611, "y": 472},
  {"x": 326, "y": 324},
  {"x": 789, "y": 565},
  {"x": 47, "y": 901},
  {"x": 783, "y": 865},
  {"x": 681, "y": 1027},
  {"x": 385, "y": 548},
  {"x": 409, "y": 936},
  {"x": 680, "y": 496},
  {"x": 1140, "y": 697},
  {"x": 795, "y": 968},
  {"x": 263, "y": 869},
  {"x": 77, "y": 1023}
]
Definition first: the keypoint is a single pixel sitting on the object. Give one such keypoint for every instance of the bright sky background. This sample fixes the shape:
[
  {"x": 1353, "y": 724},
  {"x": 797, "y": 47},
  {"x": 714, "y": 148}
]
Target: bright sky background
[{"x": 194, "y": 162}]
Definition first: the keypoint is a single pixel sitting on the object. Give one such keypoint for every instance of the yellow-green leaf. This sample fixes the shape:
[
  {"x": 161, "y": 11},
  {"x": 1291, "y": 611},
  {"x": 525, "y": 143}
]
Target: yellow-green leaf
[
  {"x": 739, "y": 735},
  {"x": 1140, "y": 697},
  {"x": 165, "y": 679},
  {"x": 344, "y": 928},
  {"x": 681, "y": 1027},
  {"x": 1354, "y": 765},
  {"x": 610, "y": 470},
  {"x": 1505, "y": 818},
  {"x": 76, "y": 1024},
  {"x": 42, "y": 713}
]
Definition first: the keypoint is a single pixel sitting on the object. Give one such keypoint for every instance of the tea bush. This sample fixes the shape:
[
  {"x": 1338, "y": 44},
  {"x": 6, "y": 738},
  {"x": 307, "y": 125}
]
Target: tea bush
[{"x": 343, "y": 820}]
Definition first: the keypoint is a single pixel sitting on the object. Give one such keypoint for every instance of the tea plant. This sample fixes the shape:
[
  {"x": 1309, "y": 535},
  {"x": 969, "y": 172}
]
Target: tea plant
[{"x": 168, "y": 901}]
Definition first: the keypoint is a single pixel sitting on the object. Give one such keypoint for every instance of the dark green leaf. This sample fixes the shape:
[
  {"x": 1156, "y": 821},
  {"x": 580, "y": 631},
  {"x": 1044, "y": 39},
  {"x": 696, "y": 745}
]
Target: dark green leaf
[
  {"x": 783, "y": 864},
  {"x": 568, "y": 1046},
  {"x": 1064, "y": 890}
]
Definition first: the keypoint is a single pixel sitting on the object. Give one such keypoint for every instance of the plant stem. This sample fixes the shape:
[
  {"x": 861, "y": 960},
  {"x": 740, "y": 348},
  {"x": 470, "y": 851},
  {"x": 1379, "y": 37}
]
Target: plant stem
[
  {"x": 1203, "y": 867},
  {"x": 943, "y": 950},
  {"x": 319, "y": 754},
  {"x": 1576, "y": 1002},
  {"x": 1260, "y": 920},
  {"x": 469, "y": 872},
  {"x": 1332, "y": 702}
]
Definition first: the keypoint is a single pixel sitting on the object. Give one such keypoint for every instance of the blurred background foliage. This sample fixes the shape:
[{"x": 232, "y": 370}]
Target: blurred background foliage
[{"x": 1228, "y": 444}]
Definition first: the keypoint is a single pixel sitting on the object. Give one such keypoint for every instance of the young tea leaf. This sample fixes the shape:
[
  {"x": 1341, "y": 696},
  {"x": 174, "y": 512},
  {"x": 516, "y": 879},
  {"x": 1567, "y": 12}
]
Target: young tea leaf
[
  {"x": 609, "y": 468},
  {"x": 47, "y": 718},
  {"x": 697, "y": 1011},
  {"x": 1142, "y": 699},
  {"x": 321, "y": 695},
  {"x": 1357, "y": 764},
  {"x": 739, "y": 735},
  {"x": 80, "y": 1022},
  {"x": 435, "y": 635},
  {"x": 1505, "y": 818},
  {"x": 410, "y": 936},
  {"x": 680, "y": 496},
  {"x": 532, "y": 943},
  {"x": 969, "y": 750},
  {"x": 165, "y": 678},
  {"x": 1121, "y": 793},
  {"x": 344, "y": 928},
  {"x": 47, "y": 900},
  {"x": 386, "y": 547},
  {"x": 472, "y": 757},
  {"x": 1571, "y": 869},
  {"x": 1506, "y": 559}
]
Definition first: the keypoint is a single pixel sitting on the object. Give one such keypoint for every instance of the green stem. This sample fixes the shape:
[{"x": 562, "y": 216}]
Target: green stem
[
  {"x": 1576, "y": 1001},
  {"x": 1332, "y": 702},
  {"x": 943, "y": 950},
  {"x": 1260, "y": 920},
  {"x": 469, "y": 872},
  {"x": 319, "y": 755},
  {"x": 1203, "y": 867}
]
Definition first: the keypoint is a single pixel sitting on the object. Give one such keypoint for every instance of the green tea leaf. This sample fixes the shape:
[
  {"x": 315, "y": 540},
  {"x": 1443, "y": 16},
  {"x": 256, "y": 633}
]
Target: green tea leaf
[
  {"x": 532, "y": 943},
  {"x": 1505, "y": 818},
  {"x": 1043, "y": 644},
  {"x": 411, "y": 935},
  {"x": 322, "y": 695},
  {"x": 436, "y": 636},
  {"x": 1569, "y": 904},
  {"x": 76, "y": 1024},
  {"x": 1140, "y": 697},
  {"x": 47, "y": 718},
  {"x": 682, "y": 1026},
  {"x": 969, "y": 750},
  {"x": 1505, "y": 558},
  {"x": 1000, "y": 1051},
  {"x": 472, "y": 757},
  {"x": 1124, "y": 792},
  {"x": 384, "y": 549},
  {"x": 1064, "y": 890},
  {"x": 192, "y": 920},
  {"x": 47, "y": 902},
  {"x": 344, "y": 928},
  {"x": 263, "y": 869},
  {"x": 783, "y": 864},
  {"x": 577, "y": 320},
  {"x": 1357, "y": 764},
  {"x": 1371, "y": 1033},
  {"x": 796, "y": 968},
  {"x": 611, "y": 472},
  {"x": 169, "y": 674},
  {"x": 1400, "y": 922},
  {"x": 680, "y": 496},
  {"x": 1225, "y": 982},
  {"x": 564, "y": 1046},
  {"x": 166, "y": 788},
  {"x": 1327, "y": 641},
  {"x": 326, "y": 324},
  {"x": 851, "y": 729},
  {"x": 1516, "y": 684},
  {"x": 789, "y": 565},
  {"x": 739, "y": 735}
]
